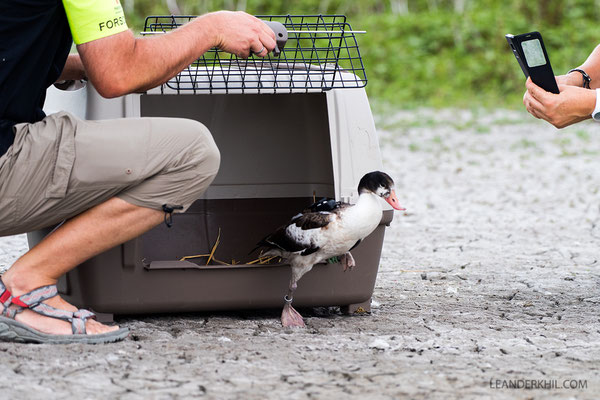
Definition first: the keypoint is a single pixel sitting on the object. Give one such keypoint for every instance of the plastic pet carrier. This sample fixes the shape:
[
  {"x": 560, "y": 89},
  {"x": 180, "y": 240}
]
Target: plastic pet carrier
[{"x": 290, "y": 127}]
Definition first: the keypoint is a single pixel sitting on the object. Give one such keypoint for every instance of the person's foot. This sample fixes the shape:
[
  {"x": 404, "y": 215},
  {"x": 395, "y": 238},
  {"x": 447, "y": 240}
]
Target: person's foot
[{"x": 47, "y": 324}]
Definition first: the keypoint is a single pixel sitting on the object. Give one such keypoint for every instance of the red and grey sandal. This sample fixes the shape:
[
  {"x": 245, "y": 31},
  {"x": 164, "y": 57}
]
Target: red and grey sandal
[{"x": 15, "y": 331}]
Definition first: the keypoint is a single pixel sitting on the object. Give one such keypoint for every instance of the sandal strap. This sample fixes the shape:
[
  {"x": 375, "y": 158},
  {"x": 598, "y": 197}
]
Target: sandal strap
[
  {"x": 78, "y": 322},
  {"x": 27, "y": 300},
  {"x": 11, "y": 312},
  {"x": 6, "y": 300},
  {"x": 84, "y": 314},
  {"x": 52, "y": 312},
  {"x": 36, "y": 296},
  {"x": 33, "y": 301},
  {"x": 77, "y": 318},
  {"x": 78, "y": 326}
]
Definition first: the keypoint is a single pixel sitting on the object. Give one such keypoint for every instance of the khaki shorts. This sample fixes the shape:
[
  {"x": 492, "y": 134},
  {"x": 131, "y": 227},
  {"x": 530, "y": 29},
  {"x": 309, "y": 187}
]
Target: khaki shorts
[{"x": 61, "y": 166}]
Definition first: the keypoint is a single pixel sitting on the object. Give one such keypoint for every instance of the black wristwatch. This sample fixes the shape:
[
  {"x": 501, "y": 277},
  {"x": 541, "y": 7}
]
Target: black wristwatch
[{"x": 586, "y": 77}]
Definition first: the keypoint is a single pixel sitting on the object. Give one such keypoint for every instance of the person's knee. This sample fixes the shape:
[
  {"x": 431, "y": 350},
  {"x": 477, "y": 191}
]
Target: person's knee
[
  {"x": 202, "y": 152},
  {"x": 202, "y": 160},
  {"x": 212, "y": 156},
  {"x": 207, "y": 151}
]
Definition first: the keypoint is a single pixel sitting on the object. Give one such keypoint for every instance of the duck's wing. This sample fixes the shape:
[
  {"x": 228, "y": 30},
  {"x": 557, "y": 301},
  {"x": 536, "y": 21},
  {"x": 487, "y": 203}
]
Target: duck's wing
[
  {"x": 355, "y": 244},
  {"x": 325, "y": 204},
  {"x": 312, "y": 220},
  {"x": 302, "y": 235}
]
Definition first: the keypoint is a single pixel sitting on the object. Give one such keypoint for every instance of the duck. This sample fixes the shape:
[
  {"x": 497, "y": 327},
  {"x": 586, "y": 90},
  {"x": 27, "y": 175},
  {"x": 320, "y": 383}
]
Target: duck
[{"x": 328, "y": 229}]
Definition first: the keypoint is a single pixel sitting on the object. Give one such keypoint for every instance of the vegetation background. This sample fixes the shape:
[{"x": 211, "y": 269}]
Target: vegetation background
[{"x": 432, "y": 53}]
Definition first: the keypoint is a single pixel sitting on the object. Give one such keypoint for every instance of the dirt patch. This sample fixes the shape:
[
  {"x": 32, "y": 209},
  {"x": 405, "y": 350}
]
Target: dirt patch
[{"x": 492, "y": 275}]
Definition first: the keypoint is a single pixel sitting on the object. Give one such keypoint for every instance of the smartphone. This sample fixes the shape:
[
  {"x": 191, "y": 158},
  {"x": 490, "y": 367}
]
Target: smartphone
[{"x": 531, "y": 54}]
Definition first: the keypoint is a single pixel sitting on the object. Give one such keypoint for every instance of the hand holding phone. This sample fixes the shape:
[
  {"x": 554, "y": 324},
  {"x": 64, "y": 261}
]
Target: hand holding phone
[{"x": 530, "y": 52}]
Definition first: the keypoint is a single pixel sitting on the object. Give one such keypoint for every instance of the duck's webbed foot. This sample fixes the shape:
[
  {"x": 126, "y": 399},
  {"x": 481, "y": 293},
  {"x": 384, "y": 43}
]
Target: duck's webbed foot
[
  {"x": 347, "y": 261},
  {"x": 290, "y": 317}
]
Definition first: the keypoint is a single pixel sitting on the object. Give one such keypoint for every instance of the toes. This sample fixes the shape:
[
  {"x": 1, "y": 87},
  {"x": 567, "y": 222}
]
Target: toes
[{"x": 94, "y": 327}]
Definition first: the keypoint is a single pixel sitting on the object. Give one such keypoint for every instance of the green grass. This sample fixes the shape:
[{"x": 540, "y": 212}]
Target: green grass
[{"x": 438, "y": 60}]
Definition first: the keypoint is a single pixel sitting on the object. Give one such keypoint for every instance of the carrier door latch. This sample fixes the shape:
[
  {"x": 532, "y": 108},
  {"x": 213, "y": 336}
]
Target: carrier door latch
[
  {"x": 281, "y": 35},
  {"x": 168, "y": 209}
]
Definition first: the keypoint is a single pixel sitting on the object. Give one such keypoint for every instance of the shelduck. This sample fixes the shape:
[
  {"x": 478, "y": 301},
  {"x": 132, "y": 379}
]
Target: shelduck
[{"x": 328, "y": 229}]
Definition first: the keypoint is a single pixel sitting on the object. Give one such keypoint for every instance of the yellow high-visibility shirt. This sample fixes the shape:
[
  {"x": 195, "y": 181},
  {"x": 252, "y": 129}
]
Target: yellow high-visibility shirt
[{"x": 94, "y": 19}]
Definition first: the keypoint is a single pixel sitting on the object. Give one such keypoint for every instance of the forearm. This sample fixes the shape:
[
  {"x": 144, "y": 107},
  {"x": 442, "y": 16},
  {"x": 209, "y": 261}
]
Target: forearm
[
  {"x": 592, "y": 67},
  {"x": 157, "y": 59},
  {"x": 73, "y": 69},
  {"x": 138, "y": 64},
  {"x": 121, "y": 64}
]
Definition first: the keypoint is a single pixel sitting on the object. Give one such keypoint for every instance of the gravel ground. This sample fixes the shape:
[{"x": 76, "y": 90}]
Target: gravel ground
[{"x": 490, "y": 276}]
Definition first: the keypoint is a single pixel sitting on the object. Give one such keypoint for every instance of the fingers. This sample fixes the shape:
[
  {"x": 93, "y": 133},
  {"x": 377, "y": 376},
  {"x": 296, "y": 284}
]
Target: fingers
[
  {"x": 264, "y": 27},
  {"x": 533, "y": 106},
  {"x": 572, "y": 105},
  {"x": 264, "y": 42},
  {"x": 532, "y": 103},
  {"x": 261, "y": 52},
  {"x": 268, "y": 40},
  {"x": 263, "y": 46},
  {"x": 244, "y": 35},
  {"x": 537, "y": 92},
  {"x": 267, "y": 30}
]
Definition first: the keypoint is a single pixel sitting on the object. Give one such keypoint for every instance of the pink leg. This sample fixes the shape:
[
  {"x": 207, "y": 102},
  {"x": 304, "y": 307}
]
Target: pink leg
[
  {"x": 289, "y": 316},
  {"x": 347, "y": 261}
]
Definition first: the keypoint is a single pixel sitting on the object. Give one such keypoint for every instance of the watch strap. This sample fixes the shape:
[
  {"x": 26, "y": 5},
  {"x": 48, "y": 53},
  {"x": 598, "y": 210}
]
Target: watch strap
[{"x": 586, "y": 77}]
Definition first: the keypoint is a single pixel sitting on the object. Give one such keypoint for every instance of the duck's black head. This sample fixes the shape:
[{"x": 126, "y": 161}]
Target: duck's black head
[{"x": 382, "y": 185}]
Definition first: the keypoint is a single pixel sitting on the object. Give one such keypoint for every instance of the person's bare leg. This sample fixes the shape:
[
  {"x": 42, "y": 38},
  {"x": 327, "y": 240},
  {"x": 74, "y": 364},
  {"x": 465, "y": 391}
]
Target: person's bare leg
[{"x": 80, "y": 238}]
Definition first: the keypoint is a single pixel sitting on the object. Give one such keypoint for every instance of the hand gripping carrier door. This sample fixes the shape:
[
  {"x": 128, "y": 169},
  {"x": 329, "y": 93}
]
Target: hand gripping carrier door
[{"x": 290, "y": 127}]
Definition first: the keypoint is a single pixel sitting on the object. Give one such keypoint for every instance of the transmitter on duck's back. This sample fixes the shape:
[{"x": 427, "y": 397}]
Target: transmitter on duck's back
[{"x": 531, "y": 54}]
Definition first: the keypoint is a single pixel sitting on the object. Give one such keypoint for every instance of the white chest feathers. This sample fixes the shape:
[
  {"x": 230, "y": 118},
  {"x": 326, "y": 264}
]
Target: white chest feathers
[
  {"x": 353, "y": 224},
  {"x": 362, "y": 219}
]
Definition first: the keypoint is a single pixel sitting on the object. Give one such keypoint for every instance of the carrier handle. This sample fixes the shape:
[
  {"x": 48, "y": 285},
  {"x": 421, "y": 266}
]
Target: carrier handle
[{"x": 281, "y": 35}]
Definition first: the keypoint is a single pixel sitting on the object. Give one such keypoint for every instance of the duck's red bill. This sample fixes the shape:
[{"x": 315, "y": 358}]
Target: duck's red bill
[{"x": 393, "y": 201}]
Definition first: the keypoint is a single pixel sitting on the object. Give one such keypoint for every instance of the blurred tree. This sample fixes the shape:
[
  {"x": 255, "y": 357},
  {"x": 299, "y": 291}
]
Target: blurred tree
[
  {"x": 548, "y": 12},
  {"x": 173, "y": 7},
  {"x": 399, "y": 6}
]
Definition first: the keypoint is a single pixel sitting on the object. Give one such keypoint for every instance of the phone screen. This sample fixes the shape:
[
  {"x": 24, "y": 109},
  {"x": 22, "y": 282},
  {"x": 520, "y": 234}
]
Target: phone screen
[{"x": 534, "y": 55}]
